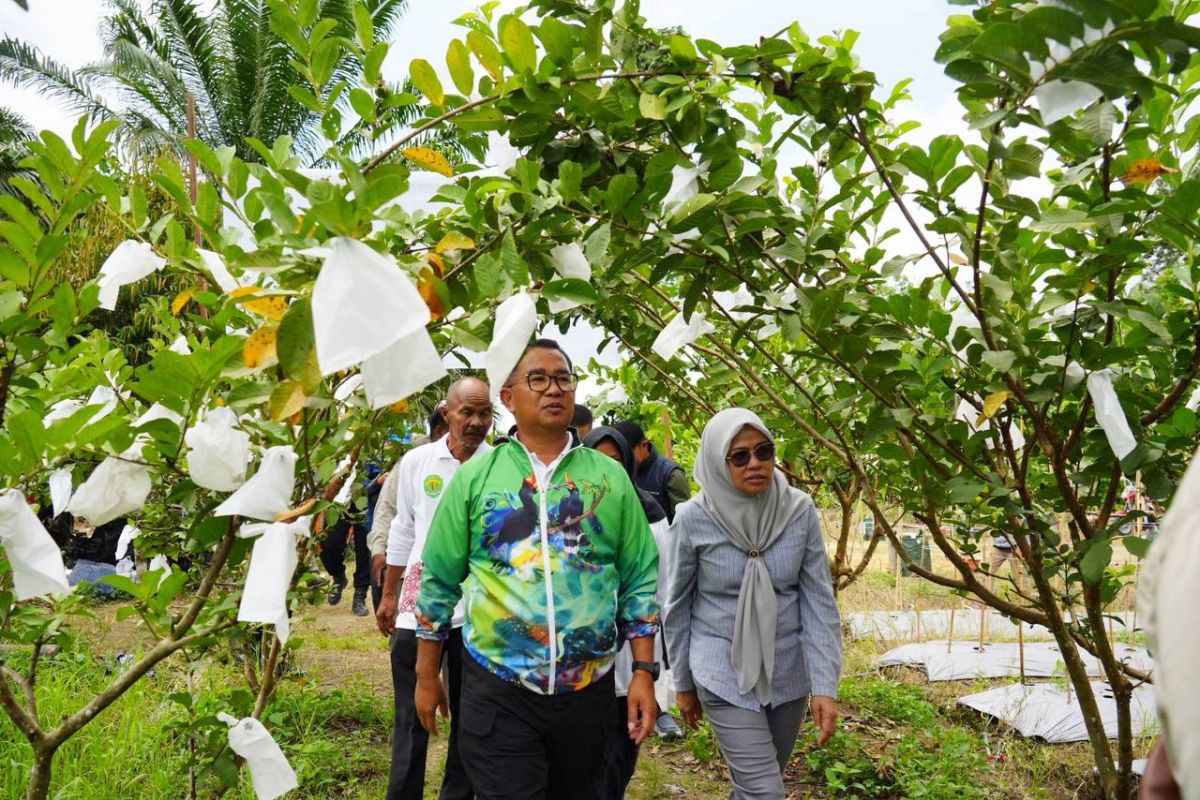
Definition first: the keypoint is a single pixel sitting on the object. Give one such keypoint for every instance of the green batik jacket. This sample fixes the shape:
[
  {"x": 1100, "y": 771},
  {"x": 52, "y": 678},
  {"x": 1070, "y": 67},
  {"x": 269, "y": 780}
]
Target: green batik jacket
[{"x": 496, "y": 537}]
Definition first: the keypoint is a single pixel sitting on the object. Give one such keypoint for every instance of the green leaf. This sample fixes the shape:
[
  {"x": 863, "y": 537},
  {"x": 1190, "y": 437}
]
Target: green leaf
[
  {"x": 1136, "y": 546},
  {"x": 620, "y": 188},
  {"x": 574, "y": 289},
  {"x": 458, "y": 60},
  {"x": 682, "y": 50},
  {"x": 653, "y": 106},
  {"x": 294, "y": 342},
  {"x": 1057, "y": 220},
  {"x": 426, "y": 80},
  {"x": 517, "y": 42},
  {"x": 1095, "y": 561},
  {"x": 488, "y": 277},
  {"x": 488, "y": 54},
  {"x": 558, "y": 38},
  {"x": 999, "y": 360},
  {"x": 511, "y": 261},
  {"x": 287, "y": 399},
  {"x": 690, "y": 208}
]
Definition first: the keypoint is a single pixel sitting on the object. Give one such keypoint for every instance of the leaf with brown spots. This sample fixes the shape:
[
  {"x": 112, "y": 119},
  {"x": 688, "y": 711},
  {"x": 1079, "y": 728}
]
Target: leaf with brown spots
[
  {"x": 1144, "y": 172},
  {"x": 259, "y": 348},
  {"x": 431, "y": 160}
]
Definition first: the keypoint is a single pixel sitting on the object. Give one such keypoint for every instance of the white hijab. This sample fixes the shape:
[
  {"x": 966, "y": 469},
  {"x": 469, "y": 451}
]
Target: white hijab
[{"x": 752, "y": 523}]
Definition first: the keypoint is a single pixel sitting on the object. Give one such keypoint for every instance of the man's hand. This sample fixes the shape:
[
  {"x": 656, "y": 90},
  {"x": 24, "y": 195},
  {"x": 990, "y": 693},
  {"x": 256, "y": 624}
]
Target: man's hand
[
  {"x": 385, "y": 615},
  {"x": 378, "y": 568},
  {"x": 429, "y": 698},
  {"x": 824, "y": 714},
  {"x": 690, "y": 710},
  {"x": 643, "y": 708}
]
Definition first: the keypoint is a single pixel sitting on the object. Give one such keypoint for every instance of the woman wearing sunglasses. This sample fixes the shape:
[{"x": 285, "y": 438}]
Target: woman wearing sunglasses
[{"x": 751, "y": 624}]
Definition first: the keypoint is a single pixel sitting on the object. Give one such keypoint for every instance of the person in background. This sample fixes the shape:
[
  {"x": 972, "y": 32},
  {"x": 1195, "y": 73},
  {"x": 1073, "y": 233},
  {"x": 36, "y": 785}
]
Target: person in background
[
  {"x": 657, "y": 474},
  {"x": 422, "y": 477},
  {"x": 582, "y": 420},
  {"x": 751, "y": 622},
  {"x": 337, "y": 537},
  {"x": 623, "y": 751},
  {"x": 385, "y": 511},
  {"x": 560, "y": 567}
]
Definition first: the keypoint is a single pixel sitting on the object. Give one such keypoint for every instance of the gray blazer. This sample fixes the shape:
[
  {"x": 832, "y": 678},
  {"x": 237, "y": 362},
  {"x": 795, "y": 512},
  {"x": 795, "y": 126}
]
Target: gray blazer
[{"x": 704, "y": 578}]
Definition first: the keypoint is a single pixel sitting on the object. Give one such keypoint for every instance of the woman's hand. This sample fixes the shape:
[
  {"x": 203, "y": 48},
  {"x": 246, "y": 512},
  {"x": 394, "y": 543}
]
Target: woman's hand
[
  {"x": 824, "y": 715},
  {"x": 689, "y": 708}
]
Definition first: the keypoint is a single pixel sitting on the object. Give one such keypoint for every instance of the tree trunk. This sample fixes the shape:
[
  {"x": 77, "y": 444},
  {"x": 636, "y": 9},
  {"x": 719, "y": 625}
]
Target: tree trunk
[
  {"x": 39, "y": 776},
  {"x": 1080, "y": 680}
]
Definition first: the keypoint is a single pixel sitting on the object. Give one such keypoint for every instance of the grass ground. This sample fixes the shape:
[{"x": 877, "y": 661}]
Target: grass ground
[{"x": 900, "y": 737}]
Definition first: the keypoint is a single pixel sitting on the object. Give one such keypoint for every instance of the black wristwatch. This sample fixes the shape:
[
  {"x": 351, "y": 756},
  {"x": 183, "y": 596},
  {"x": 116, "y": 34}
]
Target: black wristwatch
[{"x": 652, "y": 667}]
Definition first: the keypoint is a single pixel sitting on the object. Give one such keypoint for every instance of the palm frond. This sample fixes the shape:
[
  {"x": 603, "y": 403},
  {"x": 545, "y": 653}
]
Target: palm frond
[
  {"x": 14, "y": 129},
  {"x": 195, "y": 49},
  {"x": 22, "y": 64}
]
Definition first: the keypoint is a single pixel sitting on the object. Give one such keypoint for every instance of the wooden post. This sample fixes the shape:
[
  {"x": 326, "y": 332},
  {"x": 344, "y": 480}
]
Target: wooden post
[
  {"x": 1016, "y": 570},
  {"x": 668, "y": 443},
  {"x": 193, "y": 165},
  {"x": 950, "y": 629}
]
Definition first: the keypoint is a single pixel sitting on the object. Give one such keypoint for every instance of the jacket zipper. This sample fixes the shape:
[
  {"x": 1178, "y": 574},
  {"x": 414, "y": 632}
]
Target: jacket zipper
[{"x": 544, "y": 520}]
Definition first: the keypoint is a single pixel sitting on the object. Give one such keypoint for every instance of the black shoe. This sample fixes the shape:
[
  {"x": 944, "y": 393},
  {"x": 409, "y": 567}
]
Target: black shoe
[
  {"x": 335, "y": 594},
  {"x": 360, "y": 603}
]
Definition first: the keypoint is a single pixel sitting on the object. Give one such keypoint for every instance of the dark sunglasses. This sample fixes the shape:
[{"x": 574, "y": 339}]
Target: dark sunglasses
[{"x": 765, "y": 453}]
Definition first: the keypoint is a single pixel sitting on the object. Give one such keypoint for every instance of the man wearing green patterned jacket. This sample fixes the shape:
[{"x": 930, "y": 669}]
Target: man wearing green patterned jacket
[{"x": 559, "y": 567}]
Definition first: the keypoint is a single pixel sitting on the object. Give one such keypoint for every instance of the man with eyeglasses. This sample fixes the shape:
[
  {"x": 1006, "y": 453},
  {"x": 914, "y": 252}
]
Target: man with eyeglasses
[{"x": 562, "y": 569}]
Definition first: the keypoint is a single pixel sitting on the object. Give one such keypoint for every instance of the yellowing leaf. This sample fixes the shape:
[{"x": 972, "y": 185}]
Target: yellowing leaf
[
  {"x": 400, "y": 407},
  {"x": 431, "y": 160},
  {"x": 436, "y": 264},
  {"x": 181, "y": 300},
  {"x": 259, "y": 348},
  {"x": 991, "y": 405},
  {"x": 287, "y": 400},
  {"x": 455, "y": 241},
  {"x": 428, "y": 288},
  {"x": 1145, "y": 171}
]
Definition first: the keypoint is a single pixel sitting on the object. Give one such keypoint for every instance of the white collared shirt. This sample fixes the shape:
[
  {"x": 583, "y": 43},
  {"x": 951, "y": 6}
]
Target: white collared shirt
[
  {"x": 543, "y": 471},
  {"x": 425, "y": 472}
]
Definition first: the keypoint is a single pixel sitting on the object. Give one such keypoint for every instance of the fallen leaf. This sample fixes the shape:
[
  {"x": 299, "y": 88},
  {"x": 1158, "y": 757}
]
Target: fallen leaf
[
  {"x": 259, "y": 349},
  {"x": 1145, "y": 171},
  {"x": 431, "y": 160},
  {"x": 181, "y": 300},
  {"x": 991, "y": 405},
  {"x": 455, "y": 241}
]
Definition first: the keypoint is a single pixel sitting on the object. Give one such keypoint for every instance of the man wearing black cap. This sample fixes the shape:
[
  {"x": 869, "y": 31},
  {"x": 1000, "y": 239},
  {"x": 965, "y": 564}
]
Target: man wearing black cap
[{"x": 657, "y": 474}]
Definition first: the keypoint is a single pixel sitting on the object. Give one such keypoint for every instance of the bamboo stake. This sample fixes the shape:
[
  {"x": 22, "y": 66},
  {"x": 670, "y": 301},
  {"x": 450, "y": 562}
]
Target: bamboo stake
[
  {"x": 1016, "y": 568},
  {"x": 193, "y": 165},
  {"x": 950, "y": 629}
]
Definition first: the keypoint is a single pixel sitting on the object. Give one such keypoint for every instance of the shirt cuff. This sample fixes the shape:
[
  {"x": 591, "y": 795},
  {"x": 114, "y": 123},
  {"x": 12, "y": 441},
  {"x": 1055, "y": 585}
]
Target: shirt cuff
[
  {"x": 433, "y": 631},
  {"x": 683, "y": 680},
  {"x": 824, "y": 690},
  {"x": 638, "y": 628}
]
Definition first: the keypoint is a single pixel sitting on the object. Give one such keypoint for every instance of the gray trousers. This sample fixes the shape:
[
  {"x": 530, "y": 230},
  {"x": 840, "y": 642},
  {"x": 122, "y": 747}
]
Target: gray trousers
[{"x": 756, "y": 744}]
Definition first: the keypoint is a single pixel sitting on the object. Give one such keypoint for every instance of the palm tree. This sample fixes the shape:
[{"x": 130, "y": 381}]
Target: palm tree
[
  {"x": 14, "y": 133},
  {"x": 231, "y": 60}
]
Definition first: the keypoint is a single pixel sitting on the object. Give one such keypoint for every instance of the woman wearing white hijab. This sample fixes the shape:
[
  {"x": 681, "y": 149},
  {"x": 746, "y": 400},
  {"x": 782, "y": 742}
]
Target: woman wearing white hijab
[{"x": 751, "y": 624}]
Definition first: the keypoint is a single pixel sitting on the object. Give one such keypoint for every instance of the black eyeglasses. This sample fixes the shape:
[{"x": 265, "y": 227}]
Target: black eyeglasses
[
  {"x": 765, "y": 453},
  {"x": 540, "y": 382}
]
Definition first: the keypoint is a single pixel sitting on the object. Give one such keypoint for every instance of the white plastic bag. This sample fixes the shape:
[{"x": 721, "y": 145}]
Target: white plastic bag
[
  {"x": 130, "y": 261},
  {"x": 685, "y": 184},
  {"x": 362, "y": 303},
  {"x": 407, "y": 367},
  {"x": 516, "y": 320},
  {"x": 128, "y": 534},
  {"x": 104, "y": 397},
  {"x": 569, "y": 262},
  {"x": 219, "y": 452},
  {"x": 680, "y": 333},
  {"x": 270, "y": 772},
  {"x": 732, "y": 300},
  {"x": 37, "y": 565},
  {"x": 1109, "y": 413},
  {"x": 217, "y": 269},
  {"x": 180, "y": 345},
  {"x": 268, "y": 492},
  {"x": 160, "y": 562},
  {"x": 61, "y": 410},
  {"x": 1058, "y": 99},
  {"x": 117, "y": 487},
  {"x": 60, "y": 488},
  {"x": 272, "y": 563},
  {"x": 156, "y": 412}
]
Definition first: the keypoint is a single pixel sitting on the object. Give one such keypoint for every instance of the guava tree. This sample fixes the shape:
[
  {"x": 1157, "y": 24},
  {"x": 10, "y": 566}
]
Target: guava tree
[{"x": 959, "y": 350}]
